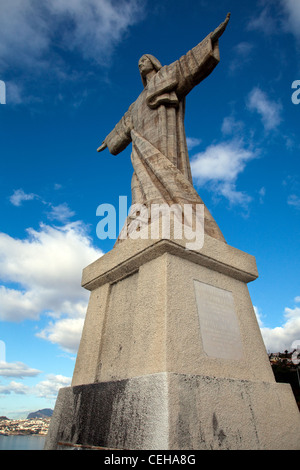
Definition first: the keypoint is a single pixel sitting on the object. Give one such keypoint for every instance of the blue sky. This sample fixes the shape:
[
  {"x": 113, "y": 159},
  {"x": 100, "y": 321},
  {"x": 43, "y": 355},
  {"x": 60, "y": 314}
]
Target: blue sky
[{"x": 70, "y": 70}]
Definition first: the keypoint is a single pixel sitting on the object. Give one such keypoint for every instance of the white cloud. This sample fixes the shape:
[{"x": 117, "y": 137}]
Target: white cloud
[
  {"x": 219, "y": 166},
  {"x": 29, "y": 29},
  {"x": 17, "y": 369},
  {"x": 258, "y": 316},
  {"x": 282, "y": 337},
  {"x": 294, "y": 200},
  {"x": 45, "y": 389},
  {"x": 62, "y": 213},
  {"x": 66, "y": 332},
  {"x": 23, "y": 33},
  {"x": 17, "y": 305},
  {"x": 221, "y": 162},
  {"x": 242, "y": 56},
  {"x": 269, "y": 111},
  {"x": 192, "y": 142},
  {"x": 47, "y": 265},
  {"x": 96, "y": 26},
  {"x": 266, "y": 21},
  {"x": 229, "y": 191},
  {"x": 14, "y": 387},
  {"x": 277, "y": 16},
  {"x": 230, "y": 126},
  {"x": 19, "y": 196},
  {"x": 292, "y": 19},
  {"x": 49, "y": 388}
]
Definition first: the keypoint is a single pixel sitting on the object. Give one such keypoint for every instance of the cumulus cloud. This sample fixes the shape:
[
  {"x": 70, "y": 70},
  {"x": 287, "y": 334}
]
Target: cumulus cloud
[
  {"x": 219, "y": 166},
  {"x": 277, "y": 16},
  {"x": 292, "y": 18},
  {"x": 282, "y": 337},
  {"x": 66, "y": 332},
  {"x": 49, "y": 388},
  {"x": 23, "y": 33},
  {"x": 231, "y": 125},
  {"x": 192, "y": 142},
  {"x": 14, "y": 387},
  {"x": 269, "y": 110},
  {"x": 96, "y": 26},
  {"x": 19, "y": 196},
  {"x": 17, "y": 369},
  {"x": 30, "y": 29},
  {"x": 266, "y": 21},
  {"x": 258, "y": 316},
  {"x": 62, "y": 213},
  {"x": 46, "y": 266}
]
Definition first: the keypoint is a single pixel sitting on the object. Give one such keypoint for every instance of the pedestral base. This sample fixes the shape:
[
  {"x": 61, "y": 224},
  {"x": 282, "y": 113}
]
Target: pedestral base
[
  {"x": 171, "y": 356},
  {"x": 175, "y": 411}
]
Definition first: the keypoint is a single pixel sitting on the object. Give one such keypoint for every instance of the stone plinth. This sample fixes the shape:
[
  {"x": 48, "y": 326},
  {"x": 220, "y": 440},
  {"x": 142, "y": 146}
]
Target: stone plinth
[{"x": 171, "y": 356}]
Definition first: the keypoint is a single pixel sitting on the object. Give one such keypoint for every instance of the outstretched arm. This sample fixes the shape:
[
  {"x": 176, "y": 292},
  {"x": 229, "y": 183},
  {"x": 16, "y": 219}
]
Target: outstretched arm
[
  {"x": 220, "y": 29},
  {"x": 199, "y": 62},
  {"x": 118, "y": 139},
  {"x": 102, "y": 146}
]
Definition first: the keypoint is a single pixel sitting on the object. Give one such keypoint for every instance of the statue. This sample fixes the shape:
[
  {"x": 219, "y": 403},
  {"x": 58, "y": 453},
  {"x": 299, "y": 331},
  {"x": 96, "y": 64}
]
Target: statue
[{"x": 154, "y": 124}]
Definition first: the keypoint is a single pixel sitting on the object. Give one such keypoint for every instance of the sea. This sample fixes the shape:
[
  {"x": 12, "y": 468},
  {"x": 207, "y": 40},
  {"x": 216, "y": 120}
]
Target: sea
[{"x": 29, "y": 442}]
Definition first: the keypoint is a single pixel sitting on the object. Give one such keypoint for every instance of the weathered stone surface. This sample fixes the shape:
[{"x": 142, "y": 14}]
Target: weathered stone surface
[
  {"x": 154, "y": 124},
  {"x": 143, "y": 377},
  {"x": 127, "y": 257},
  {"x": 143, "y": 315},
  {"x": 176, "y": 411},
  {"x": 126, "y": 414}
]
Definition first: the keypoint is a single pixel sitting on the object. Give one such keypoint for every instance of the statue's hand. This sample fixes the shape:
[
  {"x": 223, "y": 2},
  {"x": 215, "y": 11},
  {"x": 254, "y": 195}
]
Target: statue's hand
[
  {"x": 102, "y": 147},
  {"x": 220, "y": 29}
]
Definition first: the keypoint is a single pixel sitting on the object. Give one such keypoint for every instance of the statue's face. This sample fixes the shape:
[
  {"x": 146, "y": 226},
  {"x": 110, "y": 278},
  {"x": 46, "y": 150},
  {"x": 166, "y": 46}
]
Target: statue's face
[{"x": 145, "y": 65}]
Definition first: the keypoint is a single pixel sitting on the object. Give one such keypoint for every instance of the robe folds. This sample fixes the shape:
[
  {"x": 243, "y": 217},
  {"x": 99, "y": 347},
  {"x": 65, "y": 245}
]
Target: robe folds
[{"x": 154, "y": 124}]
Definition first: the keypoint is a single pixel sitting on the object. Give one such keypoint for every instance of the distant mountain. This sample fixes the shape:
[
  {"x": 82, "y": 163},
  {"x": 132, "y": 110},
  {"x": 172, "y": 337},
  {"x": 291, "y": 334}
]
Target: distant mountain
[
  {"x": 3, "y": 418},
  {"x": 45, "y": 413}
]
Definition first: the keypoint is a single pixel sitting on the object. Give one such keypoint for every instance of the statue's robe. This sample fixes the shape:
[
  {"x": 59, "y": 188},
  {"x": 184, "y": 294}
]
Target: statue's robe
[{"x": 154, "y": 124}]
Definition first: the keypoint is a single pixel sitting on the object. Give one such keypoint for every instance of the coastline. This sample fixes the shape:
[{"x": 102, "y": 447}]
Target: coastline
[{"x": 24, "y": 427}]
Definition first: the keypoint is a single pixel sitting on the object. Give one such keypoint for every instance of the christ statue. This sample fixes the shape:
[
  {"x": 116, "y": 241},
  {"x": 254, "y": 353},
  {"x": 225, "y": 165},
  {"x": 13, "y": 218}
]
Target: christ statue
[{"x": 154, "y": 124}]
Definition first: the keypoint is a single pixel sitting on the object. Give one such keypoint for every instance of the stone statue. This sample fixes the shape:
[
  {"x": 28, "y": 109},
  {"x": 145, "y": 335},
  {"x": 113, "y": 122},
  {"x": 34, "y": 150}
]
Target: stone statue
[{"x": 154, "y": 124}]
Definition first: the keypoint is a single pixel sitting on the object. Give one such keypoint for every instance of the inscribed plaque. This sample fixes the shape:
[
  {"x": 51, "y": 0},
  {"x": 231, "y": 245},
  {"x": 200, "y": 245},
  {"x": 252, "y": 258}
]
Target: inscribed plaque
[{"x": 218, "y": 322}]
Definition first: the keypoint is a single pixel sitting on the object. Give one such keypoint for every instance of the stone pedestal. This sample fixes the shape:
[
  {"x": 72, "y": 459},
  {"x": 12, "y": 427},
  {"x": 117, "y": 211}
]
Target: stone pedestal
[{"x": 171, "y": 356}]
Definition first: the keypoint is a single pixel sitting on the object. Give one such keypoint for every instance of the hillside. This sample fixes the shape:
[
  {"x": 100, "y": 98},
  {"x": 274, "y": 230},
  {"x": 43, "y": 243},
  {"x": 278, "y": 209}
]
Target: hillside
[{"x": 45, "y": 413}]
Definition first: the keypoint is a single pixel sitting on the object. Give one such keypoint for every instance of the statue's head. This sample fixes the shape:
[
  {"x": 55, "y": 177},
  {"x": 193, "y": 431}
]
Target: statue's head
[{"x": 147, "y": 63}]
